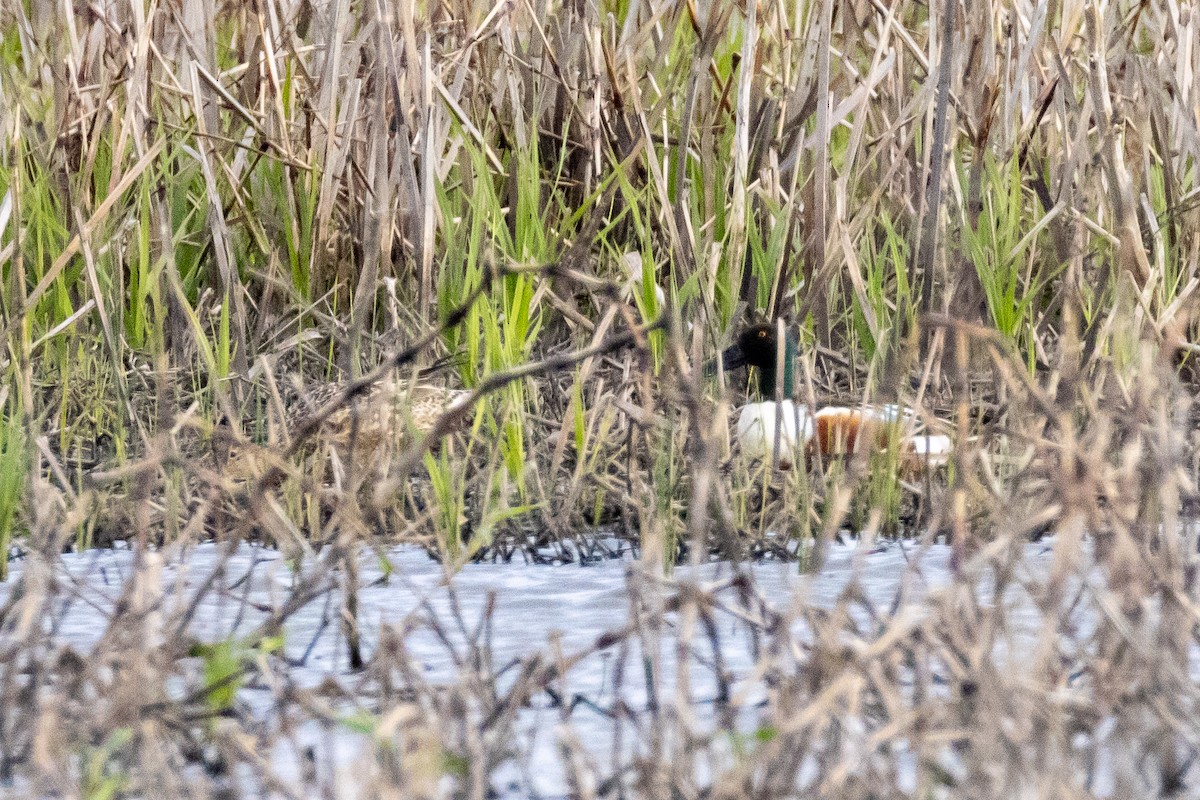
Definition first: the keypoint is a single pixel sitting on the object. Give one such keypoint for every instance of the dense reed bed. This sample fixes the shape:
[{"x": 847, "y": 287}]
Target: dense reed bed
[{"x": 211, "y": 213}]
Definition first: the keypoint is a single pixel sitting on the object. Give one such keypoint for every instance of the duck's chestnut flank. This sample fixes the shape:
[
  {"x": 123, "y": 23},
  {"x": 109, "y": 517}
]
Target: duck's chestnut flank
[{"x": 831, "y": 432}]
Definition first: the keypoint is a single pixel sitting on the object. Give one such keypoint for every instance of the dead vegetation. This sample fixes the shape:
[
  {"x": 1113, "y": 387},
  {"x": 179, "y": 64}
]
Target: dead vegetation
[{"x": 990, "y": 214}]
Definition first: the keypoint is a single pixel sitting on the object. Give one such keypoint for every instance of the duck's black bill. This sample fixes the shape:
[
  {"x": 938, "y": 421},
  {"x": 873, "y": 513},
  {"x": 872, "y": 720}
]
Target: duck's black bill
[{"x": 731, "y": 359}]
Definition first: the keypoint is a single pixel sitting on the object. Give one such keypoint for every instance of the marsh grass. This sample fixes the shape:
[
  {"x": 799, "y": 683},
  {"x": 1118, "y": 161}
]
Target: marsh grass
[{"x": 991, "y": 214}]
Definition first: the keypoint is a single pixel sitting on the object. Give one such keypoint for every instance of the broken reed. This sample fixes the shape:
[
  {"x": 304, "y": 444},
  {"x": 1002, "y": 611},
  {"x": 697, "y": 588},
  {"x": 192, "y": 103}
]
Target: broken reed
[
  {"x": 992, "y": 668},
  {"x": 193, "y": 200},
  {"x": 198, "y": 200}
]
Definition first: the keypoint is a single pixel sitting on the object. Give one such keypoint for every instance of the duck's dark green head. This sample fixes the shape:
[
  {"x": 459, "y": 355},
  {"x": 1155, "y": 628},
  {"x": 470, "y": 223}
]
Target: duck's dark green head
[{"x": 758, "y": 346}]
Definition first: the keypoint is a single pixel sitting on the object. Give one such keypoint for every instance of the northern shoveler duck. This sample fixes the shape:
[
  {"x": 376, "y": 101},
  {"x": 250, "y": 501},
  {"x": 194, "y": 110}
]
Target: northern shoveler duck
[
  {"x": 391, "y": 412},
  {"x": 830, "y": 432},
  {"x": 370, "y": 429}
]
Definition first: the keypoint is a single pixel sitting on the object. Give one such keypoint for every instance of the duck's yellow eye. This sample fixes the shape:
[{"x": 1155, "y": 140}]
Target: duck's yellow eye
[{"x": 762, "y": 334}]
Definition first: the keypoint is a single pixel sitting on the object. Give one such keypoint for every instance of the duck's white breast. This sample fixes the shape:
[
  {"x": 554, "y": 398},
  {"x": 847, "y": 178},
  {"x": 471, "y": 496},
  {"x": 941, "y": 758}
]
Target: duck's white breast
[{"x": 756, "y": 428}]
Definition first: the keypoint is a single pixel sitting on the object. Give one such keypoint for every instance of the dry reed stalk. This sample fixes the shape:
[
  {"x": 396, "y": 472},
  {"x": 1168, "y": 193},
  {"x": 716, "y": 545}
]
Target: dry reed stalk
[{"x": 222, "y": 169}]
